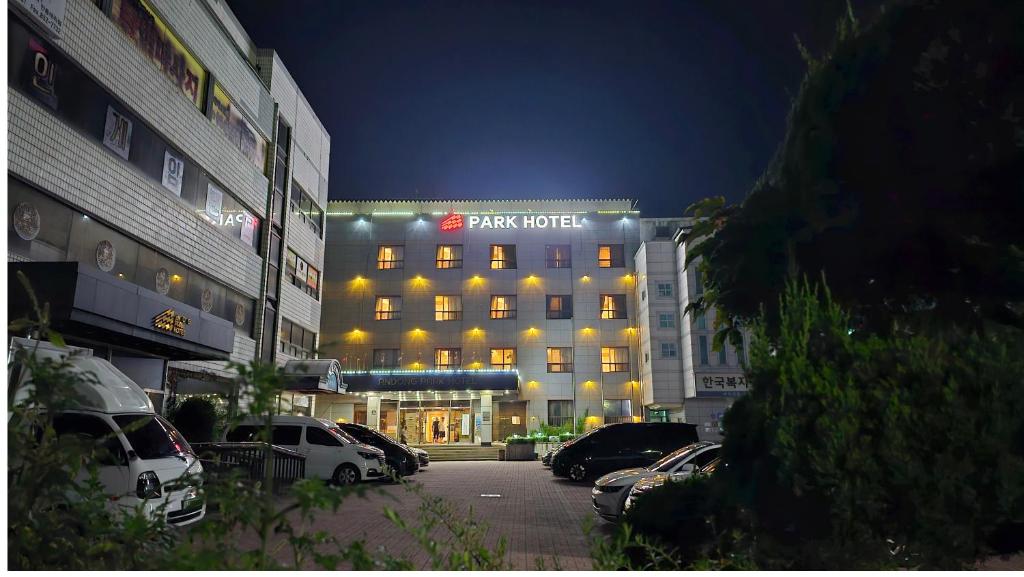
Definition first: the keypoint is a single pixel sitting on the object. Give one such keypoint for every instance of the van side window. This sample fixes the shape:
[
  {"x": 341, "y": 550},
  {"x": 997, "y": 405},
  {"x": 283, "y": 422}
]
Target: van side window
[
  {"x": 286, "y": 435},
  {"x": 243, "y": 434},
  {"x": 95, "y": 434},
  {"x": 317, "y": 436}
]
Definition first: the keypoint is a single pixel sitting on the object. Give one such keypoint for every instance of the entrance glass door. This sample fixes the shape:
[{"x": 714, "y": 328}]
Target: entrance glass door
[{"x": 437, "y": 425}]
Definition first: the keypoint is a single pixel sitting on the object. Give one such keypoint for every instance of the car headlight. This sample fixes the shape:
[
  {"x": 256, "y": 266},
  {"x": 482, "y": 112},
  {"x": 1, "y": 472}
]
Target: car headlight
[
  {"x": 196, "y": 468},
  {"x": 368, "y": 455}
]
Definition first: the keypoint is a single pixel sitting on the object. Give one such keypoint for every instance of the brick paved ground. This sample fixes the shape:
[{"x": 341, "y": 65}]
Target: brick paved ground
[{"x": 538, "y": 514}]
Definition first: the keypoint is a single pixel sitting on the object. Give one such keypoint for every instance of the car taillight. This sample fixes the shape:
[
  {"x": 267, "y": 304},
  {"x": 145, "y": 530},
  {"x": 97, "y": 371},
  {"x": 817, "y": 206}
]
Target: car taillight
[{"x": 148, "y": 486}]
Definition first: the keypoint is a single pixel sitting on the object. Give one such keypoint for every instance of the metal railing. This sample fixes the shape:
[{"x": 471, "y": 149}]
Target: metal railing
[{"x": 249, "y": 458}]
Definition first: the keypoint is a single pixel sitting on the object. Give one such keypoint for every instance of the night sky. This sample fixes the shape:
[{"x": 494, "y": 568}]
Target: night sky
[{"x": 663, "y": 101}]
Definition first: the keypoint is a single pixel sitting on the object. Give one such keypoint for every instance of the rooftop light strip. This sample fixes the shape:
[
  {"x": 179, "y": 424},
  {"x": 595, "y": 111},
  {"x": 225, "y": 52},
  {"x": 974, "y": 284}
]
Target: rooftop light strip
[{"x": 432, "y": 372}]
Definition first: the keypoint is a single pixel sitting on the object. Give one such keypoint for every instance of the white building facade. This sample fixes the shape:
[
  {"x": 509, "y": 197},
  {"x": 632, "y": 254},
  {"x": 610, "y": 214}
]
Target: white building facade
[{"x": 162, "y": 168}]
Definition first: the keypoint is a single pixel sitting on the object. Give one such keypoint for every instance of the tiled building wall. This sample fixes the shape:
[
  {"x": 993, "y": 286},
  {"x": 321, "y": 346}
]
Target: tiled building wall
[
  {"x": 662, "y": 375},
  {"x": 349, "y": 304}
]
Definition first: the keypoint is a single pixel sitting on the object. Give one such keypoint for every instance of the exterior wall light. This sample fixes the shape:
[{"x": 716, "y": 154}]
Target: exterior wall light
[{"x": 585, "y": 278}]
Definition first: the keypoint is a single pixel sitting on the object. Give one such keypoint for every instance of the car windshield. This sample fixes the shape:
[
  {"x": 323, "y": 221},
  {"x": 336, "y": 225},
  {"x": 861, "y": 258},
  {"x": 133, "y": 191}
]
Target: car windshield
[
  {"x": 674, "y": 458},
  {"x": 152, "y": 437},
  {"x": 344, "y": 436}
]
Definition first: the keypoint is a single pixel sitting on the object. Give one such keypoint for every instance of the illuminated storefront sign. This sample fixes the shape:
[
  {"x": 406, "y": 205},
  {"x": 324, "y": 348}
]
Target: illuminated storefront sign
[
  {"x": 454, "y": 222},
  {"x": 171, "y": 322}
]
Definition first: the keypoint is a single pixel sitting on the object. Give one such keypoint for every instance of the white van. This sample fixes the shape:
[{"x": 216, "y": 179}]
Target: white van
[
  {"x": 145, "y": 455},
  {"x": 331, "y": 454}
]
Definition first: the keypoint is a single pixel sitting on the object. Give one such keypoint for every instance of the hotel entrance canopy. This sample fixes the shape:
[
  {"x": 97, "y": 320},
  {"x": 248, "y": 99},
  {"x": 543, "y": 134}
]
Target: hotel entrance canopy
[{"x": 394, "y": 381}]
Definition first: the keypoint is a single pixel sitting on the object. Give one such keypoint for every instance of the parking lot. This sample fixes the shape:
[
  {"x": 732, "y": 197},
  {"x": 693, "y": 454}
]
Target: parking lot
[{"x": 539, "y": 515}]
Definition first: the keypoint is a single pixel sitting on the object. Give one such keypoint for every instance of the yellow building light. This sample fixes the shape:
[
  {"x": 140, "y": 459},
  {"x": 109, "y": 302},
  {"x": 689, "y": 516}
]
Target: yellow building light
[
  {"x": 532, "y": 384},
  {"x": 587, "y": 331},
  {"x": 589, "y": 384},
  {"x": 585, "y": 278}
]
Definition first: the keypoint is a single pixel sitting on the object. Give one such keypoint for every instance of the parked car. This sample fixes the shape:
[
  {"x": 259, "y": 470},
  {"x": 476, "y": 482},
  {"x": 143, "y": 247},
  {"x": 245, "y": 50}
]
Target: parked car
[
  {"x": 546, "y": 459},
  {"x": 423, "y": 456},
  {"x": 331, "y": 454},
  {"x": 644, "y": 485},
  {"x": 619, "y": 446},
  {"x": 142, "y": 460},
  {"x": 610, "y": 491},
  {"x": 397, "y": 457}
]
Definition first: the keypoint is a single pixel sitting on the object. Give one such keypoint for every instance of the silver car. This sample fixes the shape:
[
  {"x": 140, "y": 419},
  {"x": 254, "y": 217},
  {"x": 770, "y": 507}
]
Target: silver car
[{"x": 610, "y": 491}]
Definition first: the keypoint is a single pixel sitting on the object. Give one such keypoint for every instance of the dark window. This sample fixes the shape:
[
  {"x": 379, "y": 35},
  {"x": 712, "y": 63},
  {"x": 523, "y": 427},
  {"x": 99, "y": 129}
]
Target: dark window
[
  {"x": 318, "y": 436},
  {"x": 243, "y": 434},
  {"x": 559, "y": 359},
  {"x": 286, "y": 434},
  {"x": 449, "y": 256},
  {"x": 698, "y": 281},
  {"x": 295, "y": 340},
  {"x": 302, "y": 275},
  {"x": 559, "y": 413},
  {"x": 704, "y": 459},
  {"x": 610, "y": 256},
  {"x": 618, "y": 411},
  {"x": 703, "y": 350},
  {"x": 559, "y": 256},
  {"x": 385, "y": 358},
  {"x": 503, "y": 256},
  {"x": 662, "y": 231},
  {"x": 151, "y": 436},
  {"x": 613, "y": 306},
  {"x": 306, "y": 209},
  {"x": 268, "y": 332},
  {"x": 93, "y": 431},
  {"x": 559, "y": 306}
]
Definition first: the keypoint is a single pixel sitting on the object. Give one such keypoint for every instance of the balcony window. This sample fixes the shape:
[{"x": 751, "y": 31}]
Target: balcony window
[
  {"x": 390, "y": 257},
  {"x": 559, "y": 359},
  {"x": 503, "y": 359},
  {"x": 388, "y": 308},
  {"x": 614, "y": 359},
  {"x": 559, "y": 306},
  {"x": 447, "y": 359},
  {"x": 448, "y": 307},
  {"x": 503, "y": 256},
  {"x": 559, "y": 256},
  {"x": 503, "y": 306},
  {"x": 610, "y": 256},
  {"x": 618, "y": 411},
  {"x": 559, "y": 413},
  {"x": 386, "y": 358},
  {"x": 449, "y": 256},
  {"x": 613, "y": 306}
]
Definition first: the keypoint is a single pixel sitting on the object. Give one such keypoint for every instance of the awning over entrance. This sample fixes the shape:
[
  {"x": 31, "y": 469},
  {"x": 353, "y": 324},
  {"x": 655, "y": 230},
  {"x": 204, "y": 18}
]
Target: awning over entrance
[
  {"x": 314, "y": 376},
  {"x": 396, "y": 381},
  {"x": 90, "y": 304}
]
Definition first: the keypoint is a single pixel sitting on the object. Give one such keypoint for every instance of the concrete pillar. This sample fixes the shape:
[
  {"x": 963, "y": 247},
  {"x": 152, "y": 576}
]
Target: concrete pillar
[
  {"x": 486, "y": 419},
  {"x": 373, "y": 412}
]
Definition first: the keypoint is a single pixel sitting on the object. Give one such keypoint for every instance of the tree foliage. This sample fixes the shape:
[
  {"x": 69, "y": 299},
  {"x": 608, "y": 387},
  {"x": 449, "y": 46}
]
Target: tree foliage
[
  {"x": 867, "y": 451},
  {"x": 901, "y": 176}
]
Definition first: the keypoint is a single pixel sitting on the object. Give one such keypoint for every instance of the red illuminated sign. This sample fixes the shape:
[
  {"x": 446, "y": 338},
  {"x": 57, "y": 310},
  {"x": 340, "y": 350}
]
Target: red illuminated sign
[{"x": 452, "y": 222}]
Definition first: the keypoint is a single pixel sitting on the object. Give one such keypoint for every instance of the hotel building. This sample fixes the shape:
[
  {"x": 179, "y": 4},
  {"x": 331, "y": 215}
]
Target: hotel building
[
  {"x": 165, "y": 189},
  {"x": 493, "y": 317}
]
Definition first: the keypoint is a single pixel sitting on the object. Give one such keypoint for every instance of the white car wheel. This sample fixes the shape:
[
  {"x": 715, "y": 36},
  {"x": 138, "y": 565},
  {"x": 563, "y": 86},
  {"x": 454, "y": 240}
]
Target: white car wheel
[{"x": 346, "y": 475}]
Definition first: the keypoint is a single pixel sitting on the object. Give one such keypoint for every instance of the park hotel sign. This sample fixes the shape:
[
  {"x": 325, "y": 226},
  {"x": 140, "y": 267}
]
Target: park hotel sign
[{"x": 454, "y": 222}]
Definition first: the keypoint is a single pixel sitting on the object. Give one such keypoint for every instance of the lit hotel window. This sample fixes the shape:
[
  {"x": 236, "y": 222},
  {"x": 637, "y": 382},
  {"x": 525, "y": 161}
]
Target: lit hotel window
[
  {"x": 614, "y": 359},
  {"x": 386, "y": 358},
  {"x": 449, "y": 256},
  {"x": 559, "y": 306},
  {"x": 447, "y": 358},
  {"x": 503, "y": 256},
  {"x": 504, "y": 359},
  {"x": 613, "y": 306},
  {"x": 390, "y": 257},
  {"x": 610, "y": 256},
  {"x": 447, "y": 307},
  {"x": 503, "y": 306},
  {"x": 559, "y": 256},
  {"x": 559, "y": 359},
  {"x": 388, "y": 309}
]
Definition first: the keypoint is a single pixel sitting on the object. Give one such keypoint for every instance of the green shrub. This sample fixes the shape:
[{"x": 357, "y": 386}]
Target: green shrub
[
  {"x": 864, "y": 451},
  {"x": 514, "y": 440},
  {"x": 196, "y": 419}
]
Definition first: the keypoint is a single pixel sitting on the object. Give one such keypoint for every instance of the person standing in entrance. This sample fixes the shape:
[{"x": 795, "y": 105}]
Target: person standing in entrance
[{"x": 435, "y": 428}]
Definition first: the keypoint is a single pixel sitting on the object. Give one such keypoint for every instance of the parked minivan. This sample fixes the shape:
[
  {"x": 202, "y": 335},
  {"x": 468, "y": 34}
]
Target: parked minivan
[
  {"x": 331, "y": 454},
  {"x": 619, "y": 446},
  {"x": 398, "y": 457},
  {"x": 143, "y": 461}
]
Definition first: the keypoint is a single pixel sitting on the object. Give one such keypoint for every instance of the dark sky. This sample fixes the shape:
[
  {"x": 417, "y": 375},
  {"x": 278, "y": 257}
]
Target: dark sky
[{"x": 664, "y": 101}]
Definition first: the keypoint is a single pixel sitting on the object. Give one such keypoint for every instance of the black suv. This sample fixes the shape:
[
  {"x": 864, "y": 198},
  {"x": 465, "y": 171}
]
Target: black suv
[
  {"x": 620, "y": 446},
  {"x": 401, "y": 460}
]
